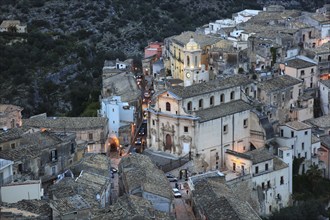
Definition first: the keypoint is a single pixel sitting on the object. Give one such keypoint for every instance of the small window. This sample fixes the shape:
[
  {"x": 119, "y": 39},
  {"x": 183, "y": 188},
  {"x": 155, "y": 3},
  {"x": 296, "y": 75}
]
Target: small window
[
  {"x": 200, "y": 103},
  {"x": 245, "y": 123},
  {"x": 266, "y": 166},
  {"x": 291, "y": 94},
  {"x": 185, "y": 129},
  {"x": 302, "y": 72},
  {"x": 298, "y": 155},
  {"x": 292, "y": 134},
  {"x": 225, "y": 129},
  {"x": 306, "y": 132},
  {"x": 282, "y": 180},
  {"x": 303, "y": 146},
  {"x": 222, "y": 98},
  {"x": 268, "y": 184},
  {"x": 72, "y": 148},
  {"x": 168, "y": 106},
  {"x": 256, "y": 170},
  {"x": 263, "y": 185},
  {"x": 90, "y": 136},
  {"x": 153, "y": 122},
  {"x": 189, "y": 106},
  {"x": 270, "y": 208},
  {"x": 211, "y": 100},
  {"x": 282, "y": 132},
  {"x": 13, "y": 145},
  {"x": 232, "y": 95}
]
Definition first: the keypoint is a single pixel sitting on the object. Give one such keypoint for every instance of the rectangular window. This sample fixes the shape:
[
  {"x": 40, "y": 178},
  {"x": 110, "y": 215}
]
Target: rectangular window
[
  {"x": 281, "y": 132},
  {"x": 268, "y": 184},
  {"x": 256, "y": 169},
  {"x": 245, "y": 123},
  {"x": 305, "y": 155},
  {"x": 282, "y": 180},
  {"x": 185, "y": 129},
  {"x": 298, "y": 155},
  {"x": 266, "y": 166},
  {"x": 200, "y": 103},
  {"x": 306, "y": 132},
  {"x": 53, "y": 170},
  {"x": 263, "y": 185},
  {"x": 225, "y": 129},
  {"x": 12, "y": 145},
  {"x": 302, "y": 72},
  {"x": 153, "y": 122},
  {"x": 303, "y": 146},
  {"x": 90, "y": 136},
  {"x": 292, "y": 134},
  {"x": 53, "y": 155}
]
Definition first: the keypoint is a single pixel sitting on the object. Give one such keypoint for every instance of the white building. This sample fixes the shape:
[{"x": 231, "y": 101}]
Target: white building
[
  {"x": 324, "y": 95},
  {"x": 203, "y": 119},
  {"x": 6, "y": 171},
  {"x": 217, "y": 25},
  {"x": 244, "y": 16},
  {"x": 119, "y": 113},
  {"x": 17, "y": 191},
  {"x": 270, "y": 176},
  {"x": 298, "y": 136}
]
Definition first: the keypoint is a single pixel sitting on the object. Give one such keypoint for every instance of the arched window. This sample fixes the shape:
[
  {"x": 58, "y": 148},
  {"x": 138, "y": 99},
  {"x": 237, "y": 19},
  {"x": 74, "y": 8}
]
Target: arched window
[
  {"x": 200, "y": 103},
  {"x": 168, "y": 106},
  {"x": 212, "y": 100},
  {"x": 232, "y": 95},
  {"x": 222, "y": 98},
  {"x": 189, "y": 106},
  {"x": 188, "y": 61}
]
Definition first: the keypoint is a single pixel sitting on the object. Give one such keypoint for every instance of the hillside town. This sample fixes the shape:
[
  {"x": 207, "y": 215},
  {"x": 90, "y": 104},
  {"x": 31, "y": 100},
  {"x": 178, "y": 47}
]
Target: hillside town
[{"x": 215, "y": 125}]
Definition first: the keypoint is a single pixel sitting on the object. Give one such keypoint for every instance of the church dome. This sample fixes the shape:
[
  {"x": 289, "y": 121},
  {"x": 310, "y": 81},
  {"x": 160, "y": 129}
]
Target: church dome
[{"x": 192, "y": 45}]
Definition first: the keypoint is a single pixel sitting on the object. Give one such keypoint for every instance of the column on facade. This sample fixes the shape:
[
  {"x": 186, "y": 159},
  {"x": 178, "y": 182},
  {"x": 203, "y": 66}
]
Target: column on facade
[{"x": 178, "y": 150}]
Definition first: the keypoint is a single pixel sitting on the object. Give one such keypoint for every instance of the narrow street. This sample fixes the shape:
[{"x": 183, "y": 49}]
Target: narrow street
[{"x": 182, "y": 210}]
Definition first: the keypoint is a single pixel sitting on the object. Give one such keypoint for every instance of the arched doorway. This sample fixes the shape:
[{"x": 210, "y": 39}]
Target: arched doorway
[{"x": 168, "y": 144}]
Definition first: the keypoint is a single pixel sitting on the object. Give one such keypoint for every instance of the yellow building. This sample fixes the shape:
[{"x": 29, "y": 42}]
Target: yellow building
[{"x": 187, "y": 55}]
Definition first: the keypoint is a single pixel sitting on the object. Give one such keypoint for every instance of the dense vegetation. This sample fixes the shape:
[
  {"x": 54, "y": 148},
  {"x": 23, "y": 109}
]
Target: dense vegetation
[
  {"x": 311, "y": 193},
  {"x": 56, "y": 67}
]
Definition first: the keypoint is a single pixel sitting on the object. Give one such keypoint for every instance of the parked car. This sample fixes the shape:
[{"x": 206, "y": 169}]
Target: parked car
[
  {"x": 141, "y": 131},
  {"x": 138, "y": 141},
  {"x": 113, "y": 170},
  {"x": 176, "y": 193},
  {"x": 171, "y": 178}
]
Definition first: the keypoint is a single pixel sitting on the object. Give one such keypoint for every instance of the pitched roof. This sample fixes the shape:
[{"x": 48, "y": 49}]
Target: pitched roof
[
  {"x": 223, "y": 110},
  {"x": 298, "y": 125},
  {"x": 218, "y": 202},
  {"x": 211, "y": 86},
  {"x": 256, "y": 156},
  {"x": 69, "y": 204},
  {"x": 140, "y": 171},
  {"x": 66, "y": 123},
  {"x": 131, "y": 207},
  {"x": 326, "y": 83},
  {"x": 201, "y": 39},
  {"x": 322, "y": 122},
  {"x": 278, "y": 83},
  {"x": 299, "y": 63},
  {"x": 10, "y": 134}
]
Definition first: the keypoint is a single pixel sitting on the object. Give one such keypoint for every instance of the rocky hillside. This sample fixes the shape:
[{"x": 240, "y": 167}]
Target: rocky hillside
[{"x": 56, "y": 67}]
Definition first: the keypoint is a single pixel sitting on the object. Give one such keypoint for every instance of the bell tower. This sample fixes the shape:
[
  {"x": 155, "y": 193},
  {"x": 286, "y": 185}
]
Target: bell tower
[{"x": 192, "y": 62}]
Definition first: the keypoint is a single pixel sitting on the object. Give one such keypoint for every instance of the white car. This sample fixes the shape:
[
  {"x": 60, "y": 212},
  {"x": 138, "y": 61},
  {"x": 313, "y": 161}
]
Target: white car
[{"x": 176, "y": 193}]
